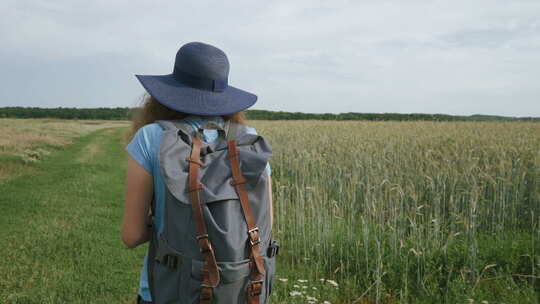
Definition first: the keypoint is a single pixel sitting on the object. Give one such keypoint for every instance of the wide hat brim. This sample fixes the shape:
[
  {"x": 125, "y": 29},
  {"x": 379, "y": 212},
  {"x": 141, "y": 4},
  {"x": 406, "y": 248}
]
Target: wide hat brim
[{"x": 168, "y": 91}]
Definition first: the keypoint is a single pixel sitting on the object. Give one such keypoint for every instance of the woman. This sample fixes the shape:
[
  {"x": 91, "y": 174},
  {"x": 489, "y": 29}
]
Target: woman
[{"x": 196, "y": 93}]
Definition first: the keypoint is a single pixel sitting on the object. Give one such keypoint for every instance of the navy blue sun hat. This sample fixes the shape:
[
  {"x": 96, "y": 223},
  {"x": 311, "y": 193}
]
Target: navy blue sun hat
[{"x": 198, "y": 84}]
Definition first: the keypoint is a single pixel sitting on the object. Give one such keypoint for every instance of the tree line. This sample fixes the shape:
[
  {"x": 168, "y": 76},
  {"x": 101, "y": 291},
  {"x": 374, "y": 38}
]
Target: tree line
[{"x": 124, "y": 113}]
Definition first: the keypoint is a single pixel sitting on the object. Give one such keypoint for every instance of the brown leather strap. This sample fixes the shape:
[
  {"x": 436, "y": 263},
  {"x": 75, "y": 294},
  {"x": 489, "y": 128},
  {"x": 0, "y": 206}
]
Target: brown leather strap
[
  {"x": 209, "y": 271},
  {"x": 257, "y": 264}
]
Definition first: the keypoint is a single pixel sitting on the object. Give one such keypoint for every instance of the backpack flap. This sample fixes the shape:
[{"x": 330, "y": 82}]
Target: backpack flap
[
  {"x": 254, "y": 155},
  {"x": 215, "y": 174}
]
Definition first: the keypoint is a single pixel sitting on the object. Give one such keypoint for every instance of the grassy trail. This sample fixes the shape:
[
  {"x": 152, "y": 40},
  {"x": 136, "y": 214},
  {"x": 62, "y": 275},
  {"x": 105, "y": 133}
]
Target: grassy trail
[{"x": 60, "y": 228}]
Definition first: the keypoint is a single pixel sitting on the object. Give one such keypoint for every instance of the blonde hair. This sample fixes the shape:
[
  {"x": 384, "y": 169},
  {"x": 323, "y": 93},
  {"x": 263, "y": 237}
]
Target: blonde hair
[{"x": 151, "y": 110}]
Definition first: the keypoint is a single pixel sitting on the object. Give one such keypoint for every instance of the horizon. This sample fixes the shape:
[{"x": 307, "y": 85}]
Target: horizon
[{"x": 307, "y": 113}]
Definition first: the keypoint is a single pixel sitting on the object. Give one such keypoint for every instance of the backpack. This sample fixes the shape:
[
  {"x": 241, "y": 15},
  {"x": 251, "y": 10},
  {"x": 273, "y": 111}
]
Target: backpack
[{"x": 216, "y": 245}]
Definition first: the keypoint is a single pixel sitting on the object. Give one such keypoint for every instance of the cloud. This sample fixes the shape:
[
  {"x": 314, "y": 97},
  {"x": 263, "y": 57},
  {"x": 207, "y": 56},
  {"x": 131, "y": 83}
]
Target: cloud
[{"x": 459, "y": 57}]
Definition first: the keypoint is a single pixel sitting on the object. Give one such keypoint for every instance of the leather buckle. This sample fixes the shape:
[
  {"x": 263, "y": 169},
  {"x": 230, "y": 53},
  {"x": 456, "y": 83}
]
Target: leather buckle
[
  {"x": 202, "y": 236},
  {"x": 191, "y": 160},
  {"x": 254, "y": 233},
  {"x": 207, "y": 292},
  {"x": 255, "y": 288},
  {"x": 205, "y": 245}
]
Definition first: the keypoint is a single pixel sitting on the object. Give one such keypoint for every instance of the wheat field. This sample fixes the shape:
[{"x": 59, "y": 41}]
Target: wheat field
[{"x": 410, "y": 211}]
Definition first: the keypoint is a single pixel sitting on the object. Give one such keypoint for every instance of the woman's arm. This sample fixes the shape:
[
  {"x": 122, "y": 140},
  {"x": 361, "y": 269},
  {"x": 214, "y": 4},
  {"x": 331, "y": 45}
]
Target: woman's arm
[{"x": 139, "y": 192}]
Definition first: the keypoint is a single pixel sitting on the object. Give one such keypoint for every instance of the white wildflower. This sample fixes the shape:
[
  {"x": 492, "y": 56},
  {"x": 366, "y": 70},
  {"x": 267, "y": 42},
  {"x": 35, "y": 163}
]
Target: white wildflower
[
  {"x": 295, "y": 293},
  {"x": 302, "y": 281},
  {"x": 311, "y": 299},
  {"x": 332, "y": 282},
  {"x": 326, "y": 302},
  {"x": 304, "y": 287},
  {"x": 296, "y": 286},
  {"x": 283, "y": 279},
  {"x": 314, "y": 288}
]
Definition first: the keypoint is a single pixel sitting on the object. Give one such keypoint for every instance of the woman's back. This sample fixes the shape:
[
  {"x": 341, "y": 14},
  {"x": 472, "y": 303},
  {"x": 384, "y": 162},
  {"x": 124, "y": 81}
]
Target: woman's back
[{"x": 144, "y": 148}]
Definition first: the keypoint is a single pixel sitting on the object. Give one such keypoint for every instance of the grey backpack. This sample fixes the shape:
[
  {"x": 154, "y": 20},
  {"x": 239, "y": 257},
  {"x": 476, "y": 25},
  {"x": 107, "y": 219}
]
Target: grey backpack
[{"x": 216, "y": 245}]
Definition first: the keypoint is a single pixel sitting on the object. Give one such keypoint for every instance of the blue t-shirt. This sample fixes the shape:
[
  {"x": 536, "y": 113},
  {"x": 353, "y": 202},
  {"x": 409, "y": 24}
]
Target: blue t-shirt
[{"x": 144, "y": 148}]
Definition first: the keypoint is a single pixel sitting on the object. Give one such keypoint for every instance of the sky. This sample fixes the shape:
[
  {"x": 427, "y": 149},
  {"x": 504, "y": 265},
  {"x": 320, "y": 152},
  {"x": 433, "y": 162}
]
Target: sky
[{"x": 453, "y": 57}]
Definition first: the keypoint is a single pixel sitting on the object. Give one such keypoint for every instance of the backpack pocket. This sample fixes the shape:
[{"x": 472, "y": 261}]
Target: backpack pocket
[
  {"x": 166, "y": 274},
  {"x": 231, "y": 288}
]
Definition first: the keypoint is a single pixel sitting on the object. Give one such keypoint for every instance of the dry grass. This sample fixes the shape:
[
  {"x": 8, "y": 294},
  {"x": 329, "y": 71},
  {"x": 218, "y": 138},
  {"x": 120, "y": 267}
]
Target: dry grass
[
  {"x": 20, "y": 134},
  {"x": 23, "y": 141}
]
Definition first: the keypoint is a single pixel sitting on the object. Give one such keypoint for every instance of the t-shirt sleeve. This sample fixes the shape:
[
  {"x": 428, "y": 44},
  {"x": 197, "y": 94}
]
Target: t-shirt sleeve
[
  {"x": 268, "y": 169},
  {"x": 139, "y": 149}
]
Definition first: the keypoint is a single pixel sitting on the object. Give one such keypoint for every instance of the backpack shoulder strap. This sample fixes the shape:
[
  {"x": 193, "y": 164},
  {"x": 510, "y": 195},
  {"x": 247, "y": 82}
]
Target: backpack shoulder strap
[
  {"x": 210, "y": 271},
  {"x": 258, "y": 270},
  {"x": 233, "y": 130}
]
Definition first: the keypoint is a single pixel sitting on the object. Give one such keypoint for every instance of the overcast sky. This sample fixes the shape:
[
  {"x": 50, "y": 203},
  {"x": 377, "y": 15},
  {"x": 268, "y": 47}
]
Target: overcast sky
[{"x": 452, "y": 57}]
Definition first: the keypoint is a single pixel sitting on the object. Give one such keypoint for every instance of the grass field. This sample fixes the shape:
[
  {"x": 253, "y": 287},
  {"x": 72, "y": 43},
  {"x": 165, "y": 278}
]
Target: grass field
[{"x": 367, "y": 212}]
